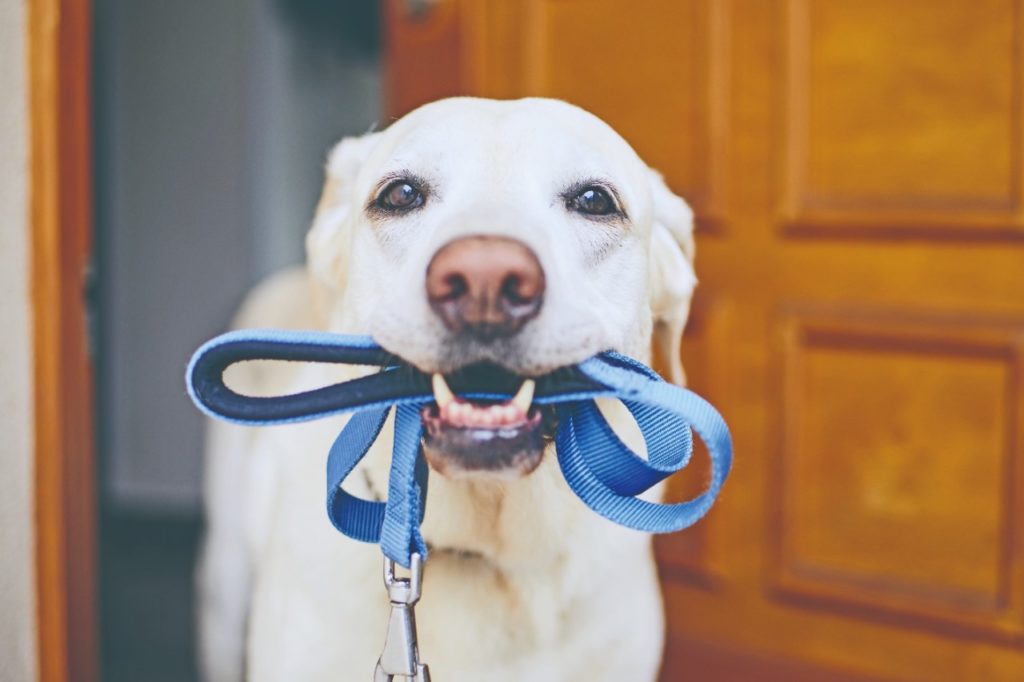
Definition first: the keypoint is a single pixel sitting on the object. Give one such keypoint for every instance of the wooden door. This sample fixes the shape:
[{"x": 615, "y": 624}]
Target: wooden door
[
  {"x": 58, "y": 59},
  {"x": 856, "y": 167}
]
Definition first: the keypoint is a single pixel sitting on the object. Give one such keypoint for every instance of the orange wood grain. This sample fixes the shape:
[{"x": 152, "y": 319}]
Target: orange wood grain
[
  {"x": 61, "y": 212},
  {"x": 423, "y": 57},
  {"x": 860, "y": 165}
]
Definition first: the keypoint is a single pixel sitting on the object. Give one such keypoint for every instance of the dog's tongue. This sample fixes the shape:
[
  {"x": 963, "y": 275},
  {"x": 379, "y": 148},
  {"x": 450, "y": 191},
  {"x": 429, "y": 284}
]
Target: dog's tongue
[{"x": 462, "y": 413}]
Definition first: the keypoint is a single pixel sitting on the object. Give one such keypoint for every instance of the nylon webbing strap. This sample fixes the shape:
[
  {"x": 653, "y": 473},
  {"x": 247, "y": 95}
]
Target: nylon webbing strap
[{"x": 599, "y": 468}]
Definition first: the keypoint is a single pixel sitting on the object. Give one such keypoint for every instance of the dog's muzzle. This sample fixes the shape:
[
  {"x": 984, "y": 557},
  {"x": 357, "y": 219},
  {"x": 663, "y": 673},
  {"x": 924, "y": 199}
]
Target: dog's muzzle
[
  {"x": 484, "y": 288},
  {"x": 465, "y": 437}
]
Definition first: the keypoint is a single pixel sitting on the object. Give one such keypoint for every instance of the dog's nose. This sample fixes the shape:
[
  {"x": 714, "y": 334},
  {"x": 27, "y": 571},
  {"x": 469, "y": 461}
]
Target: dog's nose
[{"x": 485, "y": 286}]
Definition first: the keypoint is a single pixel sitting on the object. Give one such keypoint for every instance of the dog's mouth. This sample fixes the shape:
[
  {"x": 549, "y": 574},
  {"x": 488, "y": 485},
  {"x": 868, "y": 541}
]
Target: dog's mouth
[{"x": 466, "y": 436}]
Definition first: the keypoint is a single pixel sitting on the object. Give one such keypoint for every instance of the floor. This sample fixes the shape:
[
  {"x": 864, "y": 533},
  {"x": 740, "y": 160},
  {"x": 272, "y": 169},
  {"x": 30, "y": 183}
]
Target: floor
[{"x": 147, "y": 598}]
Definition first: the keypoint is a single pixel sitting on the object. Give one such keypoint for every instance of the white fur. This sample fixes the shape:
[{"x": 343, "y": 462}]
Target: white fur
[{"x": 524, "y": 582}]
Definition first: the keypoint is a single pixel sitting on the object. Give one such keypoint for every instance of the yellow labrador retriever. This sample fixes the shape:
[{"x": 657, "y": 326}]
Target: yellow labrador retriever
[{"x": 525, "y": 234}]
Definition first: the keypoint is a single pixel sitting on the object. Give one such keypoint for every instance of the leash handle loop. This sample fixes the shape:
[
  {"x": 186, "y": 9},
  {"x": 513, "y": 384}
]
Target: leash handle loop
[{"x": 598, "y": 467}]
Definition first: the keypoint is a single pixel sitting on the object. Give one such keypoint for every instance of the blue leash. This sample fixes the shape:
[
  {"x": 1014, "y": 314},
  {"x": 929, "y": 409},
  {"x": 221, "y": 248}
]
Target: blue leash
[{"x": 599, "y": 468}]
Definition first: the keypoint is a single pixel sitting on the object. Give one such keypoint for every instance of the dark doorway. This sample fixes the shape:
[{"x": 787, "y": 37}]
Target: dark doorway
[{"x": 212, "y": 122}]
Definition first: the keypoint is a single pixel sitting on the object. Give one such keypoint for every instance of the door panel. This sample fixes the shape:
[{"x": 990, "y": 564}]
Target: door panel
[
  {"x": 906, "y": 107},
  {"x": 901, "y": 502},
  {"x": 899, "y": 114},
  {"x": 856, "y": 168}
]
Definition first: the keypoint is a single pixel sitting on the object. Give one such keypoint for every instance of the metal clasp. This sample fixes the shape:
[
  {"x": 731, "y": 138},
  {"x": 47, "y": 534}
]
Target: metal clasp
[{"x": 401, "y": 656}]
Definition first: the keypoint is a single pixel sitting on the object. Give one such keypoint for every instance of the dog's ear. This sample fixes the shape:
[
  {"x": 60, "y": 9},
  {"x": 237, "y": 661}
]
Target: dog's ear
[
  {"x": 329, "y": 240},
  {"x": 671, "y": 273}
]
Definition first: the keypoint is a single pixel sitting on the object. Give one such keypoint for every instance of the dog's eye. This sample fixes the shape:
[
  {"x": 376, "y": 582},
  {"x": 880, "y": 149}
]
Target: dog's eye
[
  {"x": 593, "y": 201},
  {"x": 400, "y": 196}
]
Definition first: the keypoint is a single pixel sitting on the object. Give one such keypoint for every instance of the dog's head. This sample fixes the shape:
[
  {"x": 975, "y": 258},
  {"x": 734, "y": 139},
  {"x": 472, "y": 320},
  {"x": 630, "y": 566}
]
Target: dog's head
[{"x": 501, "y": 237}]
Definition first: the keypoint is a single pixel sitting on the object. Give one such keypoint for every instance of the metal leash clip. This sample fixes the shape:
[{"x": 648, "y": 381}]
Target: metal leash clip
[{"x": 401, "y": 655}]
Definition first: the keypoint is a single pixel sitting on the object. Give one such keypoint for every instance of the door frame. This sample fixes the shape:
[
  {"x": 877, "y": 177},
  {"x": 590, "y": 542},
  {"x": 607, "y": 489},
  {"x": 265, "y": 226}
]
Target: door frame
[{"x": 60, "y": 181}]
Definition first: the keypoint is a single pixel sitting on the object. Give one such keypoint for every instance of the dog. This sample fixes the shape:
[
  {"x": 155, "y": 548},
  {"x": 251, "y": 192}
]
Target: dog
[{"x": 525, "y": 235}]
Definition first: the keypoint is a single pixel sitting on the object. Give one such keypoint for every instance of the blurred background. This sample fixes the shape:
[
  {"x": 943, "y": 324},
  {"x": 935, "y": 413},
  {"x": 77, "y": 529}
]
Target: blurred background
[
  {"x": 211, "y": 126},
  {"x": 857, "y": 172}
]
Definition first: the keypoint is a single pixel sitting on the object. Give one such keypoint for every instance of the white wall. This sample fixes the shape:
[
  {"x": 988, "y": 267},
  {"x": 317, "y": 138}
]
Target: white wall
[
  {"x": 212, "y": 124},
  {"x": 17, "y": 622}
]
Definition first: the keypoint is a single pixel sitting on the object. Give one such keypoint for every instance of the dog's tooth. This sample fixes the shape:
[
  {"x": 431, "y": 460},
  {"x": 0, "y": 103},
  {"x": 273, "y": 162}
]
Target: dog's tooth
[
  {"x": 457, "y": 413},
  {"x": 524, "y": 397},
  {"x": 470, "y": 415},
  {"x": 442, "y": 394},
  {"x": 486, "y": 418}
]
